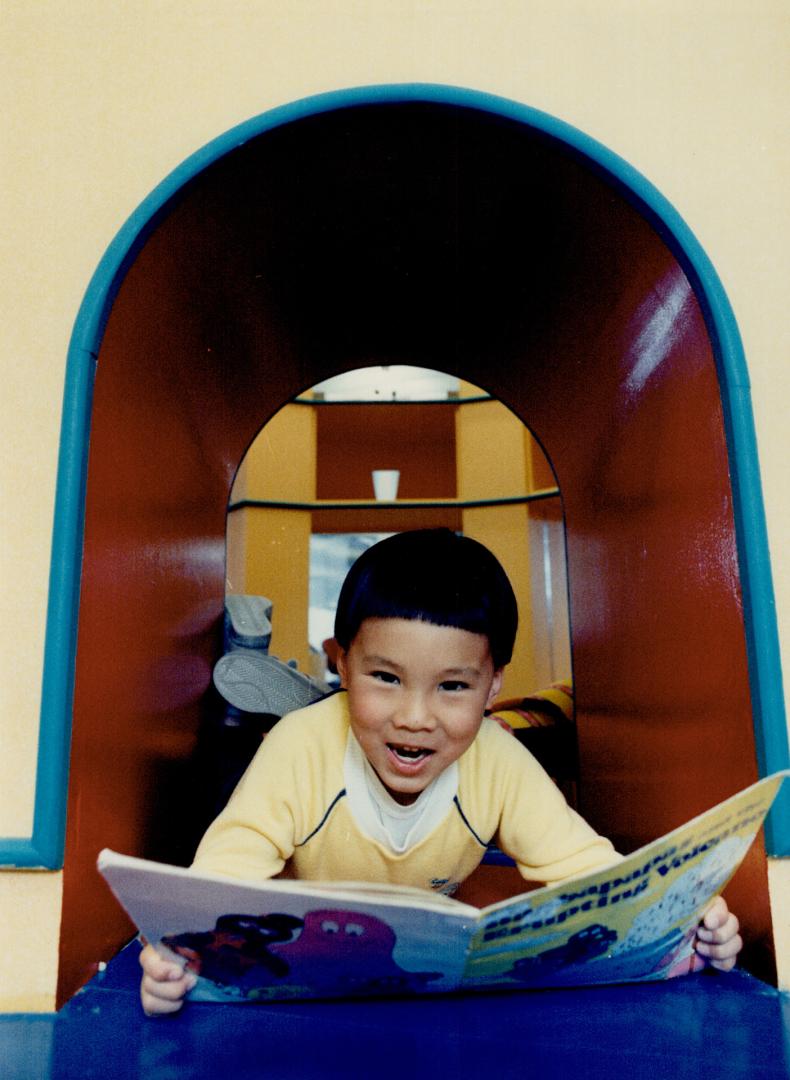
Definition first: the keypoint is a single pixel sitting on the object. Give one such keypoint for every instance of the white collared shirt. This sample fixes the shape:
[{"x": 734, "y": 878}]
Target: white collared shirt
[{"x": 397, "y": 827}]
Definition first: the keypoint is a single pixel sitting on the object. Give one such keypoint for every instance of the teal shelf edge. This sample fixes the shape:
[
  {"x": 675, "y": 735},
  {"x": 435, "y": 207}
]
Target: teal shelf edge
[
  {"x": 397, "y": 504},
  {"x": 323, "y": 403}
]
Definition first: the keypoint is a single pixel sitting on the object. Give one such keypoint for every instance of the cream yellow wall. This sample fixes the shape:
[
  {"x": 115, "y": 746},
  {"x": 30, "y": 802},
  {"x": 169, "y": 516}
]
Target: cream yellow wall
[
  {"x": 274, "y": 559},
  {"x": 101, "y": 100},
  {"x": 478, "y": 428},
  {"x": 29, "y": 940}
]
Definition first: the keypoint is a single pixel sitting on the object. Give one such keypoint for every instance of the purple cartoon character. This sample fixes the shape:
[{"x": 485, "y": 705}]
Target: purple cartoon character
[
  {"x": 237, "y": 951},
  {"x": 351, "y": 952}
]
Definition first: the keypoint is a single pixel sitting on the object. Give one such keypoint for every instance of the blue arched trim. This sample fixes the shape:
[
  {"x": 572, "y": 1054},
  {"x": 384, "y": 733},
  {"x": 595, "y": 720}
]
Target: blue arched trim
[{"x": 45, "y": 847}]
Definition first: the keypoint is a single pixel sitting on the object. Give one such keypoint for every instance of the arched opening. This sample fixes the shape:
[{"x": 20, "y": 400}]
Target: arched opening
[
  {"x": 303, "y": 506},
  {"x": 444, "y": 229},
  {"x": 464, "y": 462}
]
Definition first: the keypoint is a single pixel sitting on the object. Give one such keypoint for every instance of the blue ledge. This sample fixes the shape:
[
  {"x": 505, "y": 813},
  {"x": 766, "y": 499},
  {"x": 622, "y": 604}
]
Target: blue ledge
[{"x": 702, "y": 1027}]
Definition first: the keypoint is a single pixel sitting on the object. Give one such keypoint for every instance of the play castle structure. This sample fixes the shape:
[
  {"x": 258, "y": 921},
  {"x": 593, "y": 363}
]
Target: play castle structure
[{"x": 450, "y": 230}]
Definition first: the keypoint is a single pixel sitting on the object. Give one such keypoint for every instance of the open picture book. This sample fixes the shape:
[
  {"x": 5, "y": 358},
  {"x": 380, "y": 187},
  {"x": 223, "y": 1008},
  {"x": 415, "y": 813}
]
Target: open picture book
[{"x": 282, "y": 939}]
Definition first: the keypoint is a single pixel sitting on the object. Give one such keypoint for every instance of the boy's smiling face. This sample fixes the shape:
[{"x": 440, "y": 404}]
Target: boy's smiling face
[{"x": 417, "y": 694}]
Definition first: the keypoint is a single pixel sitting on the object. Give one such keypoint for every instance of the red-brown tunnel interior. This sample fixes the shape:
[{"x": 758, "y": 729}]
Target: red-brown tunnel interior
[{"x": 450, "y": 238}]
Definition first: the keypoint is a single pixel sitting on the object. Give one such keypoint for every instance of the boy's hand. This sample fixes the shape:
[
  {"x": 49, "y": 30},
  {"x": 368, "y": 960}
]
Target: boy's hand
[
  {"x": 164, "y": 983},
  {"x": 718, "y": 942}
]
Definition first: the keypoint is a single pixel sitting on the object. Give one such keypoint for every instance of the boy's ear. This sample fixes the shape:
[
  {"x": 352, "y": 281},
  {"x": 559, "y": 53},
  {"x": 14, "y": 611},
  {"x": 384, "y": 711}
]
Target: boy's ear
[
  {"x": 496, "y": 686},
  {"x": 342, "y": 666}
]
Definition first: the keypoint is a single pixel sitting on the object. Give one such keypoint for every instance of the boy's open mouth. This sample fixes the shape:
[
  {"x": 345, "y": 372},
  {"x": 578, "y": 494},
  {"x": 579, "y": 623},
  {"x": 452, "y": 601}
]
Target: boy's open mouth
[{"x": 409, "y": 753}]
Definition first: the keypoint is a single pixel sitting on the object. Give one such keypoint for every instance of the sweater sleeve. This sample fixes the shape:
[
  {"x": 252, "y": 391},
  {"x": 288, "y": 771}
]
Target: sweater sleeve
[
  {"x": 548, "y": 840},
  {"x": 272, "y": 807}
]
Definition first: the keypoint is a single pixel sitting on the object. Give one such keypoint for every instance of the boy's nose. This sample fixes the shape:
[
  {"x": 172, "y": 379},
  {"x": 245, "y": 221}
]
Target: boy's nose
[{"x": 414, "y": 714}]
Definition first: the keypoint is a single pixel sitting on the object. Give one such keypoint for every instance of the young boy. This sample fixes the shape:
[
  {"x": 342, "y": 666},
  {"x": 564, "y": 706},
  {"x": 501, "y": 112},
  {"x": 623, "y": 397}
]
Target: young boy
[{"x": 398, "y": 777}]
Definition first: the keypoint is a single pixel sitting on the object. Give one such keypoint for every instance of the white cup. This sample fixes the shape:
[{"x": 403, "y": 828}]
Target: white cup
[{"x": 385, "y": 484}]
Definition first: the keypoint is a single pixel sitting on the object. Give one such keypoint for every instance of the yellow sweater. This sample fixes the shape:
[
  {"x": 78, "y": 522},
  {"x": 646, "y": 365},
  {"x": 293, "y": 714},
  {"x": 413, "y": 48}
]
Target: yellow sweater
[{"x": 290, "y": 812}]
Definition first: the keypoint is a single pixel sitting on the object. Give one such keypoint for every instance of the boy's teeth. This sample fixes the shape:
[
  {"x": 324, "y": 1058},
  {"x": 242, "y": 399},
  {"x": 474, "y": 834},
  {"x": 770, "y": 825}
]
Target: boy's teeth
[{"x": 409, "y": 751}]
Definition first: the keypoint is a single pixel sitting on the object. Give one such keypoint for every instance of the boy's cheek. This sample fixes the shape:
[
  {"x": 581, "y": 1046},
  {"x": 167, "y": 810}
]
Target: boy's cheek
[
  {"x": 364, "y": 722},
  {"x": 365, "y": 707}
]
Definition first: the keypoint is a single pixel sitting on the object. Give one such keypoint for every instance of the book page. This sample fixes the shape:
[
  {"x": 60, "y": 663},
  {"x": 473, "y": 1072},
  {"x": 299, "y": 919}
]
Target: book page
[
  {"x": 631, "y": 922},
  {"x": 284, "y": 939}
]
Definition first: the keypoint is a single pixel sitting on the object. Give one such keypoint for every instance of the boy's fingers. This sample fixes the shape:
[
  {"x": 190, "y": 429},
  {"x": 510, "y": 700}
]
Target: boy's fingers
[
  {"x": 156, "y": 1006},
  {"x": 725, "y": 950},
  {"x": 164, "y": 997},
  {"x": 721, "y": 933},
  {"x": 718, "y": 940},
  {"x": 164, "y": 983},
  {"x": 167, "y": 991},
  {"x": 717, "y": 914},
  {"x": 157, "y": 967},
  {"x": 725, "y": 963},
  {"x": 722, "y": 956}
]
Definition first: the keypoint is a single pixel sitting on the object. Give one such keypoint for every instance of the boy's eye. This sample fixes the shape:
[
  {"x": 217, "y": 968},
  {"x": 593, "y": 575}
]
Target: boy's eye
[
  {"x": 384, "y": 676},
  {"x": 454, "y": 685}
]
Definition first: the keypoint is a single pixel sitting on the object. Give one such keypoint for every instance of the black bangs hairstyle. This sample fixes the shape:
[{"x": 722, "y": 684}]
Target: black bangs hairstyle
[{"x": 436, "y": 576}]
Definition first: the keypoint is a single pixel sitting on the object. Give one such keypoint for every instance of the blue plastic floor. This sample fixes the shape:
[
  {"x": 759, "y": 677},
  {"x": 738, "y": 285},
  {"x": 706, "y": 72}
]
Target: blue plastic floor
[{"x": 700, "y": 1027}]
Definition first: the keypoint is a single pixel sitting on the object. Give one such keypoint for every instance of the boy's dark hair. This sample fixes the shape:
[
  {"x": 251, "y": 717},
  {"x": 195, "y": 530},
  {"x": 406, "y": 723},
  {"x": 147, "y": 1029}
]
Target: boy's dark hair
[{"x": 436, "y": 576}]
